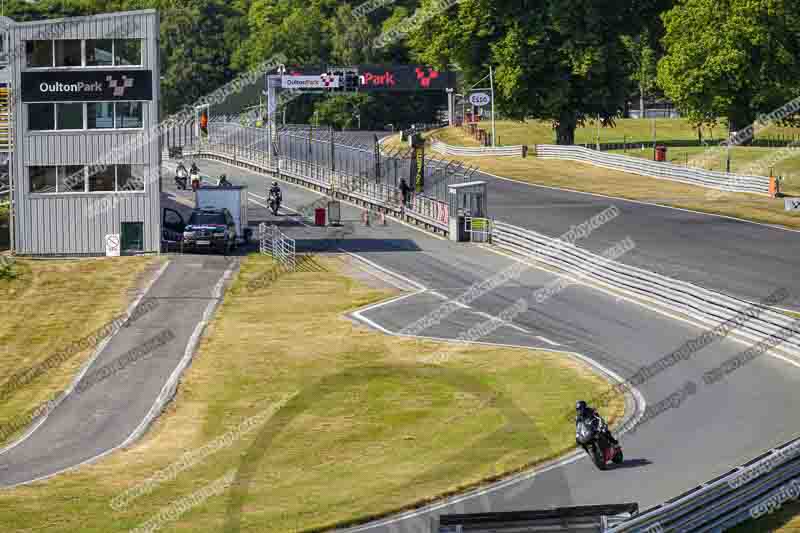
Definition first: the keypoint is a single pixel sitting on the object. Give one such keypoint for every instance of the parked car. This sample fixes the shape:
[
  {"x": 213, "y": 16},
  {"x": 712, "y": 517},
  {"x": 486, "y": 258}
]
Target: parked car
[{"x": 211, "y": 229}]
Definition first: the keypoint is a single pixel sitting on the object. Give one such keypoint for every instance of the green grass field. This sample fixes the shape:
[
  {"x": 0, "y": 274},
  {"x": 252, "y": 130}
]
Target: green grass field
[
  {"x": 626, "y": 129},
  {"x": 366, "y": 425},
  {"x": 784, "y": 520}
]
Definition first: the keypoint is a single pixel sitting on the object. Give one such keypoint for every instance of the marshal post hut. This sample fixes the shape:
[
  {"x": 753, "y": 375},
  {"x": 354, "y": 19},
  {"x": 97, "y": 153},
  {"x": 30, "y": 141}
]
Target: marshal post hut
[{"x": 85, "y": 152}]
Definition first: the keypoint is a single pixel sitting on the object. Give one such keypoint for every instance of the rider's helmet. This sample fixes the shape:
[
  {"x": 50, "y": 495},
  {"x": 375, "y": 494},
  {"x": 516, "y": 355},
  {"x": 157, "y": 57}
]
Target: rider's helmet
[
  {"x": 274, "y": 183},
  {"x": 580, "y": 407}
]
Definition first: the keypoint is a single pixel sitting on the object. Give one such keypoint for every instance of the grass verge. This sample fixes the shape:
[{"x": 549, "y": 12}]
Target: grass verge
[
  {"x": 784, "y": 520},
  {"x": 511, "y": 133},
  {"x": 51, "y": 305},
  {"x": 370, "y": 428}
]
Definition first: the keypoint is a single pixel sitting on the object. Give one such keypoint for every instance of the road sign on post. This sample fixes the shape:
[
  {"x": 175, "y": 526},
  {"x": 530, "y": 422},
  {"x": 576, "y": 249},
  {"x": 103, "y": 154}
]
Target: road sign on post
[{"x": 479, "y": 99}]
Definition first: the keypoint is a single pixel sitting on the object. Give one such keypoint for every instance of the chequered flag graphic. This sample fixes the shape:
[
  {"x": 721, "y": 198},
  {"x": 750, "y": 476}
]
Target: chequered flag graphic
[
  {"x": 327, "y": 80},
  {"x": 119, "y": 87},
  {"x": 425, "y": 80}
]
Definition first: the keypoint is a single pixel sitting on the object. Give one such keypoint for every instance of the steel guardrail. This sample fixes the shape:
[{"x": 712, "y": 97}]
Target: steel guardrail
[
  {"x": 746, "y": 492},
  {"x": 430, "y": 214},
  {"x": 723, "y": 501},
  {"x": 722, "y": 181},
  {"x": 498, "y": 151},
  {"x": 702, "y": 304}
]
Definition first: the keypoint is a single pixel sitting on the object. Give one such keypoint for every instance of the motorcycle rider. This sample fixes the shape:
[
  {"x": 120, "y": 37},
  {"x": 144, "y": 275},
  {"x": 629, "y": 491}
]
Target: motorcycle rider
[
  {"x": 584, "y": 412},
  {"x": 276, "y": 191},
  {"x": 223, "y": 181},
  {"x": 195, "y": 174},
  {"x": 181, "y": 176}
]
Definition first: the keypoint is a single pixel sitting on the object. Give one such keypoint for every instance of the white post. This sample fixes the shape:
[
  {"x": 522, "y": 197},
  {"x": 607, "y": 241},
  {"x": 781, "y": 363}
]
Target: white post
[{"x": 491, "y": 87}]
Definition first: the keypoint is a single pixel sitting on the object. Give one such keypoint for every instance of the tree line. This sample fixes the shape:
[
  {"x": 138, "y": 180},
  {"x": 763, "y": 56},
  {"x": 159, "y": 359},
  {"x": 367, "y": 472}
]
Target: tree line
[{"x": 564, "y": 61}]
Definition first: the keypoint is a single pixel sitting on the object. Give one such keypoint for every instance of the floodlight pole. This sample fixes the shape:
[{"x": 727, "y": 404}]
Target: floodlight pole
[{"x": 491, "y": 85}]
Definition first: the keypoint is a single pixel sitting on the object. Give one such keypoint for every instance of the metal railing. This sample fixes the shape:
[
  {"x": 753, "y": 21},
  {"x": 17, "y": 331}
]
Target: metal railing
[
  {"x": 462, "y": 151},
  {"x": 657, "y": 169},
  {"x": 428, "y": 212},
  {"x": 702, "y": 304},
  {"x": 274, "y": 243},
  {"x": 734, "y": 497},
  {"x": 744, "y": 493}
]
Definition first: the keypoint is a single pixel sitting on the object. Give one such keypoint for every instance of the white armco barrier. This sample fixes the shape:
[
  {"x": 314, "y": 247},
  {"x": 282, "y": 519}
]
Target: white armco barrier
[
  {"x": 499, "y": 151},
  {"x": 656, "y": 169}
]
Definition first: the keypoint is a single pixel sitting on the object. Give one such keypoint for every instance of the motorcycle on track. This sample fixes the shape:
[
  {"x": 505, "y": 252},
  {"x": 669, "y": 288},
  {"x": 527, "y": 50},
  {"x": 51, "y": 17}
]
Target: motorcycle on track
[
  {"x": 591, "y": 436},
  {"x": 274, "y": 203}
]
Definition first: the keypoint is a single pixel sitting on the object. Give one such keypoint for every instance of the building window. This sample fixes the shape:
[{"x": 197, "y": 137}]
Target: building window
[
  {"x": 72, "y": 179},
  {"x": 129, "y": 114},
  {"x": 101, "y": 179},
  {"x": 43, "y": 179},
  {"x": 100, "y": 115},
  {"x": 68, "y": 53},
  {"x": 69, "y": 116},
  {"x": 79, "y": 178},
  {"x": 127, "y": 51},
  {"x": 130, "y": 177},
  {"x": 99, "y": 52},
  {"x": 41, "y": 117},
  {"x": 39, "y": 53},
  {"x": 89, "y": 52}
]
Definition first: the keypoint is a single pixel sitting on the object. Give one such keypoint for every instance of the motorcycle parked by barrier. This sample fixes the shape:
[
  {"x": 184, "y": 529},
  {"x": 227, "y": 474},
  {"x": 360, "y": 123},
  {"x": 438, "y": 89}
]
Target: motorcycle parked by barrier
[{"x": 591, "y": 436}]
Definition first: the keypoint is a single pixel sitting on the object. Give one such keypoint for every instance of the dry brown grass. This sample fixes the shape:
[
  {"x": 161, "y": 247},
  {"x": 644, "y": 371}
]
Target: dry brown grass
[
  {"x": 371, "y": 429},
  {"x": 50, "y": 306}
]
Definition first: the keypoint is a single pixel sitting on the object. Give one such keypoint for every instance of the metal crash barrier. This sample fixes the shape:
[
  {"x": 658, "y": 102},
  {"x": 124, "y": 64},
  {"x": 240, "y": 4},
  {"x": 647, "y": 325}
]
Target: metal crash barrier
[{"x": 589, "y": 518}]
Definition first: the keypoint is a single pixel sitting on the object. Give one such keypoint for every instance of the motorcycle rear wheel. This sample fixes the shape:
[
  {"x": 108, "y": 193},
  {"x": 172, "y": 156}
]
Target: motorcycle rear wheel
[
  {"x": 597, "y": 457},
  {"x": 618, "y": 458}
]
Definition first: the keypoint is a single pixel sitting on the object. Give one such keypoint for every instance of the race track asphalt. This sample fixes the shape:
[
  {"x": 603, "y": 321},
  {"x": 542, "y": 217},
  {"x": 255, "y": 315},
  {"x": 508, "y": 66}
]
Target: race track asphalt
[
  {"x": 715, "y": 428},
  {"x": 737, "y": 257}
]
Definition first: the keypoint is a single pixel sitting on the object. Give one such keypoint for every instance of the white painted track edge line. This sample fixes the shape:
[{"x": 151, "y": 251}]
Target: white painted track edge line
[
  {"x": 411, "y": 282},
  {"x": 640, "y": 405},
  {"x": 642, "y": 301},
  {"x": 85, "y": 368},
  {"x": 162, "y": 398}
]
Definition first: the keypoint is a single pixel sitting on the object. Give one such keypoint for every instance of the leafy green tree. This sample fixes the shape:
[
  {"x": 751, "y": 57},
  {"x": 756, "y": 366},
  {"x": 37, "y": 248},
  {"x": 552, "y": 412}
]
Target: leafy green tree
[
  {"x": 731, "y": 58},
  {"x": 644, "y": 66},
  {"x": 352, "y": 38},
  {"x": 194, "y": 58},
  {"x": 559, "y": 60}
]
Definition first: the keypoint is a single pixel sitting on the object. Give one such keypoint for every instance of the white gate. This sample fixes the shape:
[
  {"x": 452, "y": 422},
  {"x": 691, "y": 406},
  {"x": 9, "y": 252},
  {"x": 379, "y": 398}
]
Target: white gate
[
  {"x": 479, "y": 229},
  {"x": 274, "y": 243}
]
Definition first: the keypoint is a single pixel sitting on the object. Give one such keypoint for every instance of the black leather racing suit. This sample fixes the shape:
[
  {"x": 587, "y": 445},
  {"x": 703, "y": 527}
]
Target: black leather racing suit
[{"x": 591, "y": 414}]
